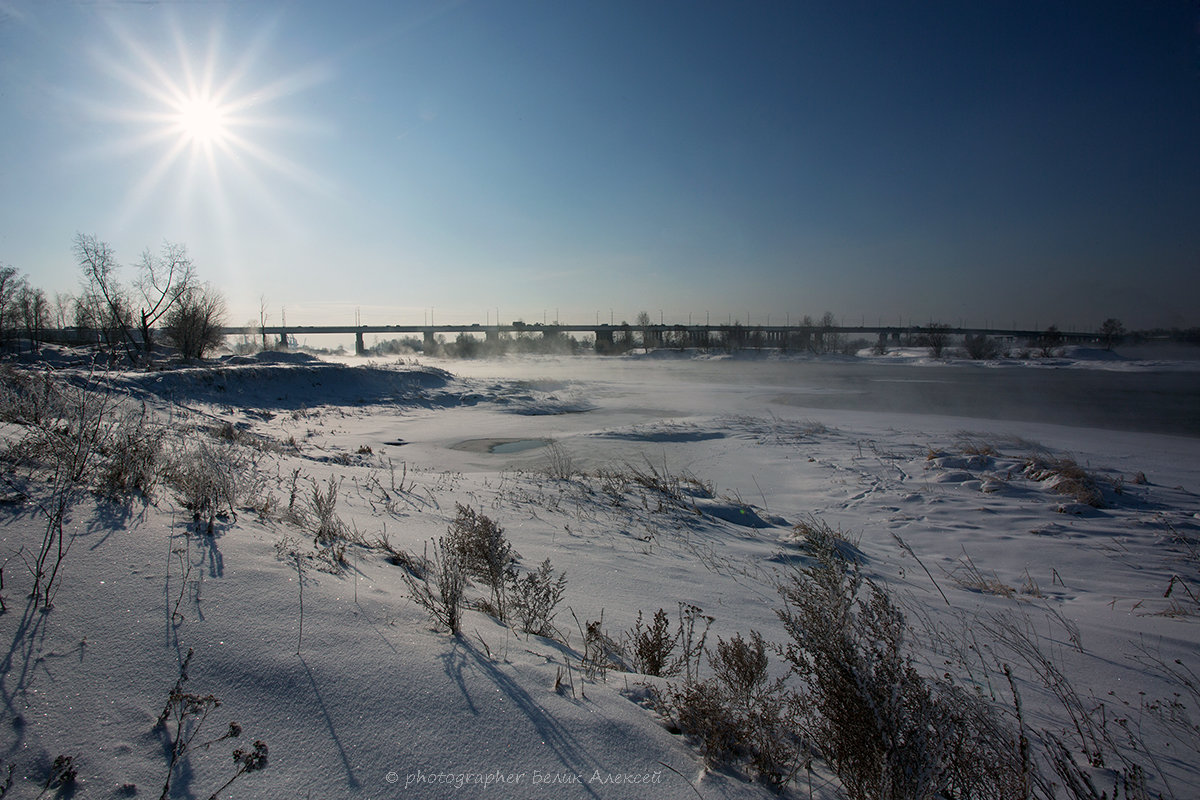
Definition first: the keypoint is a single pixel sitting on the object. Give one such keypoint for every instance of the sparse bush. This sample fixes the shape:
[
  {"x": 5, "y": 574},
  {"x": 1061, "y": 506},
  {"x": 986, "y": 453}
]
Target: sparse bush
[
  {"x": 1048, "y": 341},
  {"x": 672, "y": 488},
  {"x": 740, "y": 714},
  {"x": 935, "y": 336},
  {"x": 559, "y": 464},
  {"x": 981, "y": 347},
  {"x": 485, "y": 554},
  {"x": 133, "y": 456},
  {"x": 323, "y": 504},
  {"x": 208, "y": 478},
  {"x": 884, "y": 729},
  {"x": 651, "y": 647},
  {"x": 399, "y": 557},
  {"x": 533, "y": 598},
  {"x": 65, "y": 428},
  {"x": 440, "y": 586},
  {"x": 853, "y": 347},
  {"x": 600, "y": 651},
  {"x": 194, "y": 322},
  {"x": 815, "y": 537},
  {"x": 28, "y": 398},
  {"x": 866, "y": 710}
]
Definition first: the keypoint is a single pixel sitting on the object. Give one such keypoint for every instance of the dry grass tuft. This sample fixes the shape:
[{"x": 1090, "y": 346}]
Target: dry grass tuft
[
  {"x": 1065, "y": 477},
  {"x": 968, "y": 576}
]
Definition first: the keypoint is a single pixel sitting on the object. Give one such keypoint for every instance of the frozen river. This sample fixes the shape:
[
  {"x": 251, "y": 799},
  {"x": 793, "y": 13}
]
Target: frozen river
[{"x": 1153, "y": 399}]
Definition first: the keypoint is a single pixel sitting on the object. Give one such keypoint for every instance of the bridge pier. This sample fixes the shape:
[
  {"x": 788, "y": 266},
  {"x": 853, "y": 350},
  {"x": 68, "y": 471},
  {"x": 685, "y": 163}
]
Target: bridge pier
[
  {"x": 492, "y": 336},
  {"x": 430, "y": 342},
  {"x": 360, "y": 347},
  {"x": 283, "y": 341},
  {"x": 604, "y": 340}
]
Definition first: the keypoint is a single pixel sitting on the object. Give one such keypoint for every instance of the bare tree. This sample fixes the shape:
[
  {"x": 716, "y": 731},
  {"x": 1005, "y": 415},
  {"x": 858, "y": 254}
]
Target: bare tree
[
  {"x": 936, "y": 336},
  {"x": 161, "y": 282},
  {"x": 11, "y": 282},
  {"x": 827, "y": 340},
  {"x": 195, "y": 320},
  {"x": 1049, "y": 340},
  {"x": 263, "y": 316},
  {"x": 63, "y": 311},
  {"x": 110, "y": 308},
  {"x": 34, "y": 312},
  {"x": 1111, "y": 332}
]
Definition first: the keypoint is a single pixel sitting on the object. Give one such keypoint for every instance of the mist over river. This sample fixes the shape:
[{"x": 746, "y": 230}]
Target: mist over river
[{"x": 1154, "y": 399}]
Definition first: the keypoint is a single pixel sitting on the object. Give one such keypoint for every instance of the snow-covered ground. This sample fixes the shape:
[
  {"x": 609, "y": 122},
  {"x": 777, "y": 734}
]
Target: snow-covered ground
[{"x": 368, "y": 700}]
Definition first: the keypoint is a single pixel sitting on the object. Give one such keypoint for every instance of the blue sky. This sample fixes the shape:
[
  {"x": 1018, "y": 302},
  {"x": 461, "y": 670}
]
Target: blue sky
[{"x": 1007, "y": 162}]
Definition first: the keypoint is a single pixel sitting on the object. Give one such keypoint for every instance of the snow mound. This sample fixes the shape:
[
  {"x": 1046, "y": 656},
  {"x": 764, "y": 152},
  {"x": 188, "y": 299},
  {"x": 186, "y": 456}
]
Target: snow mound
[
  {"x": 296, "y": 385},
  {"x": 735, "y": 513}
]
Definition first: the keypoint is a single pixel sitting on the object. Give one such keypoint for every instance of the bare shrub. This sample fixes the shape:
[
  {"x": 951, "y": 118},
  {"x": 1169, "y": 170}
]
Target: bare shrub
[
  {"x": 440, "y": 586},
  {"x": 559, "y": 464},
  {"x": 65, "y": 428},
  {"x": 1048, "y": 341},
  {"x": 651, "y": 647},
  {"x": 884, "y": 729},
  {"x": 133, "y": 453},
  {"x": 740, "y": 714},
  {"x": 985, "y": 756},
  {"x": 935, "y": 336},
  {"x": 867, "y": 711},
  {"x": 208, "y": 479},
  {"x": 485, "y": 554},
  {"x": 981, "y": 347},
  {"x": 28, "y": 398},
  {"x": 328, "y": 527},
  {"x": 600, "y": 651},
  {"x": 533, "y": 598},
  {"x": 194, "y": 322}
]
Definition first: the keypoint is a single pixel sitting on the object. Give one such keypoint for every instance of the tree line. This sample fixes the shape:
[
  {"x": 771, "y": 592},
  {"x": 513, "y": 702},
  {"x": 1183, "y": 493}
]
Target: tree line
[{"x": 164, "y": 296}]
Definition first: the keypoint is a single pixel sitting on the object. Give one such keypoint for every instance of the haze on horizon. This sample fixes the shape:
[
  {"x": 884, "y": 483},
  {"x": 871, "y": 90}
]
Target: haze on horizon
[{"x": 1013, "y": 163}]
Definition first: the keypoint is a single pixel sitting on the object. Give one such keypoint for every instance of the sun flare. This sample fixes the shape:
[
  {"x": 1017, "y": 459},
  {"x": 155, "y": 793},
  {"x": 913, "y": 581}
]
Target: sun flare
[
  {"x": 205, "y": 129},
  {"x": 202, "y": 120}
]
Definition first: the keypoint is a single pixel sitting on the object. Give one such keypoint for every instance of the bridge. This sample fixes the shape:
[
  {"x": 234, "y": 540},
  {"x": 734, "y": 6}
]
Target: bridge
[{"x": 610, "y": 337}]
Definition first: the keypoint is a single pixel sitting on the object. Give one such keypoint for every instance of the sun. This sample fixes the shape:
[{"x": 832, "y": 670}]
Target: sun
[
  {"x": 202, "y": 120},
  {"x": 202, "y": 127}
]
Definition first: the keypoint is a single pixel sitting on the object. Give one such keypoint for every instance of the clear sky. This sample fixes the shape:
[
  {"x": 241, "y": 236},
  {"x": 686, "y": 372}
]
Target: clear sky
[{"x": 1016, "y": 161}]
